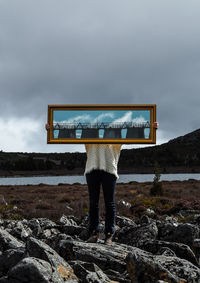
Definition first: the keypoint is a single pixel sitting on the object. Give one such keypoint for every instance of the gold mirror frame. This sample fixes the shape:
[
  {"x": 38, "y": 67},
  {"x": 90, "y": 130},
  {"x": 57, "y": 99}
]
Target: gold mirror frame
[{"x": 141, "y": 107}]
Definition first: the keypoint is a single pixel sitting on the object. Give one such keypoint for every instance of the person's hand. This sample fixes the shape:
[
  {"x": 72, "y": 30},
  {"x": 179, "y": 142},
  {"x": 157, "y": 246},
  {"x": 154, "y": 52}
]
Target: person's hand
[
  {"x": 47, "y": 126},
  {"x": 155, "y": 125}
]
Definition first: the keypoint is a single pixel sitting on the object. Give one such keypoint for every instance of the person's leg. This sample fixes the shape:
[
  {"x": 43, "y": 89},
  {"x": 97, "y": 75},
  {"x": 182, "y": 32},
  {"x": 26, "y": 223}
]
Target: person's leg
[
  {"x": 108, "y": 185},
  {"x": 93, "y": 182}
]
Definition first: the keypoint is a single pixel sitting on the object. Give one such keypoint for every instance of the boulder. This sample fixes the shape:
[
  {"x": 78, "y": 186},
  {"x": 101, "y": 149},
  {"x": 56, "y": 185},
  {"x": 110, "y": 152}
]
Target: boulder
[
  {"x": 183, "y": 233},
  {"x": 181, "y": 250},
  {"x": 38, "y": 249},
  {"x": 89, "y": 272},
  {"x": 31, "y": 270},
  {"x": 137, "y": 235},
  {"x": 7, "y": 241},
  {"x": 106, "y": 257},
  {"x": 10, "y": 258},
  {"x": 145, "y": 267}
]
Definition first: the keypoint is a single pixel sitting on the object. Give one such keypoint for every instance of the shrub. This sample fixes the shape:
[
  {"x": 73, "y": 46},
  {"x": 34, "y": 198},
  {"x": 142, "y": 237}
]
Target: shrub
[
  {"x": 157, "y": 188},
  {"x": 151, "y": 203},
  {"x": 14, "y": 216}
]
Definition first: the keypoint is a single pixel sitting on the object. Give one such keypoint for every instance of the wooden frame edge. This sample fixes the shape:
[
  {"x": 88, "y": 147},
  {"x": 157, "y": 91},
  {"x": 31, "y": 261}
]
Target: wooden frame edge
[{"x": 151, "y": 107}]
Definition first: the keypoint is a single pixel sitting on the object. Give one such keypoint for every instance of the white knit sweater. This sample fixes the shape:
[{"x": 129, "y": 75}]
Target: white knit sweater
[{"x": 102, "y": 156}]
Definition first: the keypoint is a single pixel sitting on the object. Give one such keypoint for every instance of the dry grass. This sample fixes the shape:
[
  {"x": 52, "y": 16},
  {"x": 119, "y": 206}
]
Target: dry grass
[{"x": 54, "y": 201}]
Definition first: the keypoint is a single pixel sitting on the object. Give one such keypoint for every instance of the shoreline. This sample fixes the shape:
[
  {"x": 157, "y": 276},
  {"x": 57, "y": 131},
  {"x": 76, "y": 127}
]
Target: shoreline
[
  {"x": 127, "y": 185},
  {"x": 80, "y": 171}
]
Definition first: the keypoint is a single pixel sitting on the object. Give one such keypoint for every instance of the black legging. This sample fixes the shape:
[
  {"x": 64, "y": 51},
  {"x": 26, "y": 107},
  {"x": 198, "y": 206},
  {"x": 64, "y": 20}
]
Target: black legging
[{"x": 94, "y": 180}]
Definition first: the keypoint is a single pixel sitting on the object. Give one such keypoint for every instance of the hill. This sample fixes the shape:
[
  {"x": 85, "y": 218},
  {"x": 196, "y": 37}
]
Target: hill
[{"x": 181, "y": 154}]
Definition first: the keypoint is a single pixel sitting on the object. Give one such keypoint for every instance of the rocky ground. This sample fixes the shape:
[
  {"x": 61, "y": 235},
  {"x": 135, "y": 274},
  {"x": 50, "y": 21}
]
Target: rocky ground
[
  {"x": 157, "y": 239},
  {"x": 146, "y": 250}
]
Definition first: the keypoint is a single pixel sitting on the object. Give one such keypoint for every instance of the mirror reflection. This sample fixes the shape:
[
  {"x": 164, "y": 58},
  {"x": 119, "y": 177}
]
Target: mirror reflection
[{"x": 101, "y": 124}]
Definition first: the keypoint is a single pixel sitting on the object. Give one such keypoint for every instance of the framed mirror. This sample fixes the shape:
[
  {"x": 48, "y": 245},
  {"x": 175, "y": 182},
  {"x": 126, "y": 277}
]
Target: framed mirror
[{"x": 124, "y": 124}]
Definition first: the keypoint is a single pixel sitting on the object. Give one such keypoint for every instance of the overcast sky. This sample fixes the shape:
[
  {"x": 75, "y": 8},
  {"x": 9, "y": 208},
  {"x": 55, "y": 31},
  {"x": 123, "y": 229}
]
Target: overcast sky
[{"x": 97, "y": 52}]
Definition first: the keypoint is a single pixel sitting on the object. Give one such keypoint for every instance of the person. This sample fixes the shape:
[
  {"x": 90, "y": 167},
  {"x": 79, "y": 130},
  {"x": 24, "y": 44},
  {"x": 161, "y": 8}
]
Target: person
[{"x": 101, "y": 169}]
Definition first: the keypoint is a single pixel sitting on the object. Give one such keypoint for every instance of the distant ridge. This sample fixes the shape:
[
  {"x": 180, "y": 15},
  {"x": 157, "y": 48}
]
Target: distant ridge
[
  {"x": 189, "y": 138},
  {"x": 179, "y": 155}
]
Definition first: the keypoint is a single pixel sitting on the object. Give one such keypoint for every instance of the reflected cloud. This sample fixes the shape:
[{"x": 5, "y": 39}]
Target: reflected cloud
[{"x": 102, "y": 116}]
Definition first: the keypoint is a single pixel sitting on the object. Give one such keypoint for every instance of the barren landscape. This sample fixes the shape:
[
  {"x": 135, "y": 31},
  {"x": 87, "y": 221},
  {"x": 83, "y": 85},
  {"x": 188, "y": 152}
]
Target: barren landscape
[
  {"x": 132, "y": 199},
  {"x": 43, "y": 232}
]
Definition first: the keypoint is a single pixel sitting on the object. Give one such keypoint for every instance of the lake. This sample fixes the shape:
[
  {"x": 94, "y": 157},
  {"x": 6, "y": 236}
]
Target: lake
[{"x": 123, "y": 178}]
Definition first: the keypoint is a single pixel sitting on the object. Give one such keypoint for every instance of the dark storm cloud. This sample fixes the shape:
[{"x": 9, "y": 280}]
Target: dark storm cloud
[{"x": 68, "y": 52}]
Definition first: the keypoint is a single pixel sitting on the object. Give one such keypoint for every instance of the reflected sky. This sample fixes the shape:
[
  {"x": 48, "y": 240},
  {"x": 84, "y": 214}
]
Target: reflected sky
[{"x": 92, "y": 118}]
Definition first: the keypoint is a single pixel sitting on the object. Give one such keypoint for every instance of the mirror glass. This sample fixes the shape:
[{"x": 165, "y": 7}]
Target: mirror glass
[{"x": 101, "y": 124}]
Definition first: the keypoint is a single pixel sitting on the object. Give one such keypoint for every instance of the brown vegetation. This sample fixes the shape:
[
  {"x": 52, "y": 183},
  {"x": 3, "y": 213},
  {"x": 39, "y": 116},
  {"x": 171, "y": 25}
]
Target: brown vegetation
[{"x": 54, "y": 201}]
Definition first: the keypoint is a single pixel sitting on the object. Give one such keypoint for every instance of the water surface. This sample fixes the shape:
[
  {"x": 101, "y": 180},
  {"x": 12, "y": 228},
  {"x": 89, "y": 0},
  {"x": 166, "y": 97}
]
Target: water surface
[{"x": 123, "y": 178}]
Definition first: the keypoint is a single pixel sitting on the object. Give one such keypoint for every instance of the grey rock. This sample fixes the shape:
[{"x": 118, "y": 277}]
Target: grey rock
[
  {"x": 106, "y": 257},
  {"x": 124, "y": 203},
  {"x": 38, "y": 249},
  {"x": 110, "y": 259},
  {"x": 18, "y": 228},
  {"x": 21, "y": 231},
  {"x": 145, "y": 267},
  {"x": 84, "y": 221},
  {"x": 181, "y": 250},
  {"x": 124, "y": 222},
  {"x": 25, "y": 233},
  {"x": 74, "y": 230},
  {"x": 82, "y": 269},
  {"x": 196, "y": 219},
  {"x": 196, "y": 243},
  {"x": 10, "y": 258},
  {"x": 88, "y": 272},
  {"x": 97, "y": 277},
  {"x": 117, "y": 276},
  {"x": 57, "y": 278},
  {"x": 68, "y": 220},
  {"x": 5, "y": 279},
  {"x": 188, "y": 212},
  {"x": 166, "y": 252},
  {"x": 183, "y": 233},
  {"x": 172, "y": 220},
  {"x": 43, "y": 227},
  {"x": 31, "y": 270},
  {"x": 137, "y": 236},
  {"x": 144, "y": 219},
  {"x": 34, "y": 224},
  {"x": 54, "y": 240},
  {"x": 47, "y": 233},
  {"x": 159, "y": 250},
  {"x": 7, "y": 241},
  {"x": 47, "y": 223},
  {"x": 84, "y": 234},
  {"x": 150, "y": 211}
]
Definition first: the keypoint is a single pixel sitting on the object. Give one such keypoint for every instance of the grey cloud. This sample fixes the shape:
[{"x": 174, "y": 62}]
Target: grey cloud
[{"x": 70, "y": 52}]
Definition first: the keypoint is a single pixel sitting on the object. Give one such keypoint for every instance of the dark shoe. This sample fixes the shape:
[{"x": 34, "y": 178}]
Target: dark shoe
[
  {"x": 93, "y": 237},
  {"x": 108, "y": 239}
]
